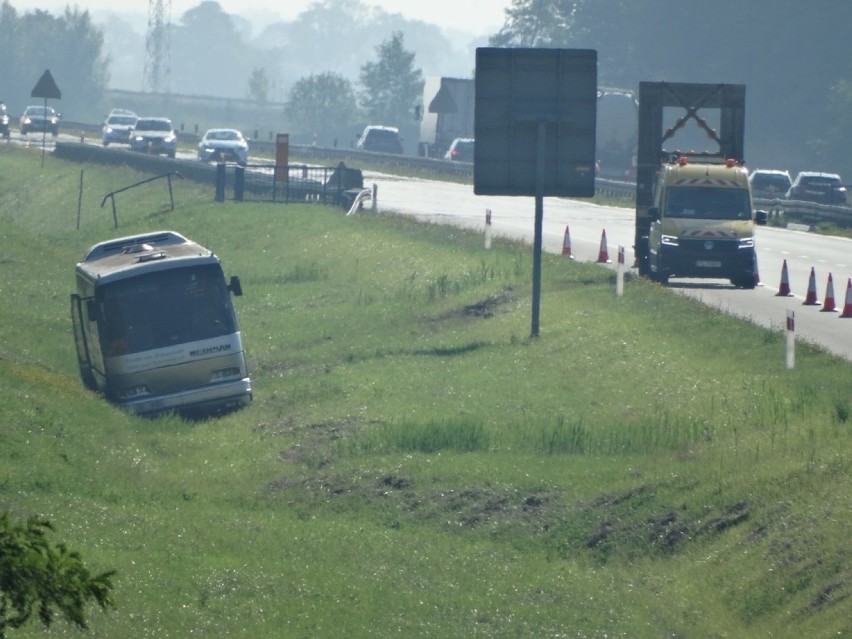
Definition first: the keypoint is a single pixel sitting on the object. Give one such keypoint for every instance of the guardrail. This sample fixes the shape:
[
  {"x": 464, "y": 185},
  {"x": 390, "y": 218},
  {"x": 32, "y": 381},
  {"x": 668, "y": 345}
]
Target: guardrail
[{"x": 808, "y": 212}]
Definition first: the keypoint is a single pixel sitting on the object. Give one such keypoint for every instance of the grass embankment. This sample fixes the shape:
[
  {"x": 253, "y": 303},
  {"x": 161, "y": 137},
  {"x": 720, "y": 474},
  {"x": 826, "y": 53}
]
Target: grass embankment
[{"x": 414, "y": 465}]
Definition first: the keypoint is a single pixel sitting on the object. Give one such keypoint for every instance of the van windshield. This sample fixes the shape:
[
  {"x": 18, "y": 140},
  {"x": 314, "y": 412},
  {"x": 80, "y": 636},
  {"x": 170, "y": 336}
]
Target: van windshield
[
  {"x": 164, "y": 308},
  {"x": 708, "y": 203}
]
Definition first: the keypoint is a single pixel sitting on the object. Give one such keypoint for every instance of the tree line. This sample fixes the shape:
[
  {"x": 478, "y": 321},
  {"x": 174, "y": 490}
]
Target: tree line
[
  {"x": 793, "y": 59},
  {"x": 70, "y": 46},
  {"x": 795, "y": 63}
]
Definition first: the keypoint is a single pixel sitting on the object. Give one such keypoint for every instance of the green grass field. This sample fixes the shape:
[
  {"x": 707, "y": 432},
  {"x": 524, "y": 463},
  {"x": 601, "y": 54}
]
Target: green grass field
[{"x": 413, "y": 463}]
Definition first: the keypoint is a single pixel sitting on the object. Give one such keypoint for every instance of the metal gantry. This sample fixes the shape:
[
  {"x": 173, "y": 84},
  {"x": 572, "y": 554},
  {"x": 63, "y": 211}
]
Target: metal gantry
[{"x": 157, "y": 46}]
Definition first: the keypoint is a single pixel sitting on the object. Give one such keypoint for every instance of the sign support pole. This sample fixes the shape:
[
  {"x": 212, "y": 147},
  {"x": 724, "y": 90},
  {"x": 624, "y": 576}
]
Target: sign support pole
[{"x": 539, "y": 224}]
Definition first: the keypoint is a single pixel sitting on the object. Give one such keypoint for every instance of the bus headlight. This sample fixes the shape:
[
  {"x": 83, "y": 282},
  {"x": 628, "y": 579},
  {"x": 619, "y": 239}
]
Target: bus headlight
[
  {"x": 746, "y": 243},
  {"x": 132, "y": 392},
  {"x": 225, "y": 373},
  {"x": 669, "y": 240}
]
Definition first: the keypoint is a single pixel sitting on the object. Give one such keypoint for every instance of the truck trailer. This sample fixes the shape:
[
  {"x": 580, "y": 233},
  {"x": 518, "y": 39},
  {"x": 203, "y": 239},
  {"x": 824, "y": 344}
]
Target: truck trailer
[{"x": 446, "y": 114}]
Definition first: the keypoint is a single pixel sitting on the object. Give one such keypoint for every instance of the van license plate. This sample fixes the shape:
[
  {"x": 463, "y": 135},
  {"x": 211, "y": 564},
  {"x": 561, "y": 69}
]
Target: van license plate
[{"x": 708, "y": 264}]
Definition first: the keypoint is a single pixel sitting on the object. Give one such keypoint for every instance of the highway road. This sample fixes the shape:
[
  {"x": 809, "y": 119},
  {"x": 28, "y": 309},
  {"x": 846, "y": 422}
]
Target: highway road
[
  {"x": 453, "y": 203},
  {"x": 513, "y": 217}
]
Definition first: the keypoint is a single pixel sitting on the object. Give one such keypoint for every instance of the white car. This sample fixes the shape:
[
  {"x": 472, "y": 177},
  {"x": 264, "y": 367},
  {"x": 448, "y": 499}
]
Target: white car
[
  {"x": 223, "y": 145},
  {"x": 155, "y": 136},
  {"x": 118, "y": 126}
]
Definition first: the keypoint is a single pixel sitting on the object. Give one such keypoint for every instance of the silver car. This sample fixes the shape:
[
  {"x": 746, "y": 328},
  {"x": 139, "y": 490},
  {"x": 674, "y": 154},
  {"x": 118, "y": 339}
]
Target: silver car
[
  {"x": 223, "y": 145},
  {"x": 155, "y": 136}
]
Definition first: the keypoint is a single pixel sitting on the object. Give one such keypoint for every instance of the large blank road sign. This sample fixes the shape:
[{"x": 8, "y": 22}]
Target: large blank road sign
[{"x": 517, "y": 92}]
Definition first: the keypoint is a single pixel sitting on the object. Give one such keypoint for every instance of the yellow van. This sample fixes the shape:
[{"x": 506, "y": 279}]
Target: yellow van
[{"x": 703, "y": 222}]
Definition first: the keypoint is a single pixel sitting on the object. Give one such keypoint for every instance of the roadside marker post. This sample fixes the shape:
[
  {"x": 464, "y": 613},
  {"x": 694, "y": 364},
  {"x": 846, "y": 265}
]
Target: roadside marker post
[
  {"x": 619, "y": 273},
  {"x": 487, "y": 229},
  {"x": 791, "y": 339}
]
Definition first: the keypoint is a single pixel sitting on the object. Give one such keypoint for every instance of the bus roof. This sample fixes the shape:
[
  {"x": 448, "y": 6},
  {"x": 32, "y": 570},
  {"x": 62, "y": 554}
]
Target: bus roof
[{"x": 125, "y": 256}]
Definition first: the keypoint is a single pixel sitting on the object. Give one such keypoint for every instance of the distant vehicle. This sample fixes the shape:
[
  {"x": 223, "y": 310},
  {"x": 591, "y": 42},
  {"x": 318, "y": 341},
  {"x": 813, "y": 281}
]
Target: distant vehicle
[
  {"x": 446, "y": 113},
  {"x": 5, "y": 124},
  {"x": 382, "y": 139},
  {"x": 769, "y": 184},
  {"x": 154, "y": 135},
  {"x": 461, "y": 150},
  {"x": 223, "y": 145},
  {"x": 694, "y": 213},
  {"x": 155, "y": 328},
  {"x": 41, "y": 119},
  {"x": 823, "y": 188},
  {"x": 118, "y": 125},
  {"x": 617, "y": 134}
]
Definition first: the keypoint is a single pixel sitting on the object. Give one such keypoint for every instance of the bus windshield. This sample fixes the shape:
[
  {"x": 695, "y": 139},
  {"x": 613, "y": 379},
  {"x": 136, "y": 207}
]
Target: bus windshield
[
  {"x": 164, "y": 308},
  {"x": 707, "y": 203}
]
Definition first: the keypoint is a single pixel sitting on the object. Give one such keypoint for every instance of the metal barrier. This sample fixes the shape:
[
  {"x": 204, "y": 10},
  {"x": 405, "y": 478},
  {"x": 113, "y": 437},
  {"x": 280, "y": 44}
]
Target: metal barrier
[
  {"x": 360, "y": 197},
  {"x": 336, "y": 185},
  {"x": 111, "y": 195}
]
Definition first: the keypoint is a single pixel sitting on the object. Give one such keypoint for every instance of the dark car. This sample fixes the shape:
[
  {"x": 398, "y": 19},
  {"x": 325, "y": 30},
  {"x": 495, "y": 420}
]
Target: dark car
[
  {"x": 461, "y": 150},
  {"x": 154, "y": 135},
  {"x": 769, "y": 184},
  {"x": 41, "y": 119},
  {"x": 823, "y": 188},
  {"x": 382, "y": 139}
]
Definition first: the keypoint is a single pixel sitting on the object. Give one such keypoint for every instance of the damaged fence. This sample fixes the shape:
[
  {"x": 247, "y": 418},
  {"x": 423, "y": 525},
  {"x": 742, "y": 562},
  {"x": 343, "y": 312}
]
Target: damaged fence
[{"x": 291, "y": 183}]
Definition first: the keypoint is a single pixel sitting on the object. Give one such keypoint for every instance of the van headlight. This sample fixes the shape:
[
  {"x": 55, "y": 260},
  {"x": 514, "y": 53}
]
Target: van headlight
[
  {"x": 746, "y": 243},
  {"x": 669, "y": 240}
]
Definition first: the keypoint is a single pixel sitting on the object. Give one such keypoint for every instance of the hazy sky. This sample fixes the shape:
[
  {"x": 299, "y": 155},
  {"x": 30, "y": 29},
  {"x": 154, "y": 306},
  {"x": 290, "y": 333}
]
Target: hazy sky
[{"x": 475, "y": 16}]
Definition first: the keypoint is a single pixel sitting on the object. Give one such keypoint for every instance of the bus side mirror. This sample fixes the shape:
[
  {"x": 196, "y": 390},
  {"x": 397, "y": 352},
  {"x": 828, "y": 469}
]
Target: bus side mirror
[
  {"x": 654, "y": 213},
  {"x": 761, "y": 218},
  {"x": 235, "y": 287}
]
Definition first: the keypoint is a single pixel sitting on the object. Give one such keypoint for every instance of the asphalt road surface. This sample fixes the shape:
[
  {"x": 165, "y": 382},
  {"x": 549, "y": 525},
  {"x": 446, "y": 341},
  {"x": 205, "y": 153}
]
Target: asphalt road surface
[{"x": 589, "y": 226}]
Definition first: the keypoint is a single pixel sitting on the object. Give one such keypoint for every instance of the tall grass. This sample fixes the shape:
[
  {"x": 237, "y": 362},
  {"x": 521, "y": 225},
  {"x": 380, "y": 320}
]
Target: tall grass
[{"x": 414, "y": 464}]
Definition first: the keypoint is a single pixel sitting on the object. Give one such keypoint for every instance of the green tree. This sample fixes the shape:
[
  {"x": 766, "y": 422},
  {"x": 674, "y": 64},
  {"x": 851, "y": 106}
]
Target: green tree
[
  {"x": 321, "y": 102},
  {"x": 70, "y": 46},
  {"x": 38, "y": 578},
  {"x": 208, "y": 53},
  {"x": 537, "y": 23},
  {"x": 258, "y": 85},
  {"x": 391, "y": 84}
]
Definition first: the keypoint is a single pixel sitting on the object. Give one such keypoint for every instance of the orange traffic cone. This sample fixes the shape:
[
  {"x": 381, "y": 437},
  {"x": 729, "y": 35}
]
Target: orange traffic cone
[
  {"x": 784, "y": 288},
  {"x": 755, "y": 273},
  {"x": 603, "y": 253},
  {"x": 566, "y": 244},
  {"x": 811, "y": 297},
  {"x": 847, "y": 307},
  {"x": 828, "y": 303}
]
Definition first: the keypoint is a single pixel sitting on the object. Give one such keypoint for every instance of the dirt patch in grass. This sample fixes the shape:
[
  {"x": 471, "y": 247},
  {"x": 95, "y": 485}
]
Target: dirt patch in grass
[{"x": 483, "y": 309}]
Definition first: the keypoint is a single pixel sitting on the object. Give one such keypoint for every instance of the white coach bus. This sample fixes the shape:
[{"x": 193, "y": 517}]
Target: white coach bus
[{"x": 155, "y": 328}]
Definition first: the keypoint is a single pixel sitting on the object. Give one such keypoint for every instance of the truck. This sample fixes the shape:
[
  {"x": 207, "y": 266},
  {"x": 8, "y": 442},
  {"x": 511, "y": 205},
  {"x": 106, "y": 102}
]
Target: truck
[
  {"x": 694, "y": 211},
  {"x": 155, "y": 328},
  {"x": 445, "y": 114},
  {"x": 616, "y": 135}
]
